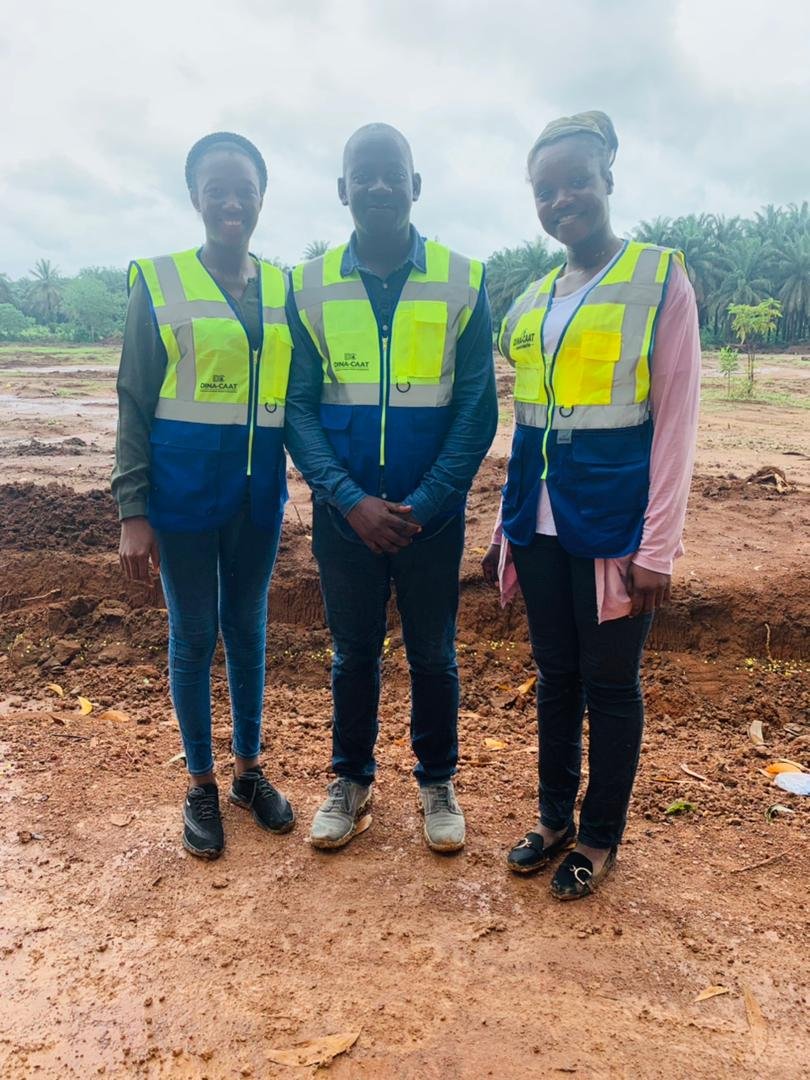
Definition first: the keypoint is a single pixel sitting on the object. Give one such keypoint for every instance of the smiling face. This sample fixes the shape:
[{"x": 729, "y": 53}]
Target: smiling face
[
  {"x": 227, "y": 195},
  {"x": 571, "y": 185},
  {"x": 378, "y": 184}
]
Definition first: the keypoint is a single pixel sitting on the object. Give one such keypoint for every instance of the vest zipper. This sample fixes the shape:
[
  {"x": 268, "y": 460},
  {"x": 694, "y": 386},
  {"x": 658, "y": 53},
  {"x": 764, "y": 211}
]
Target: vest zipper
[
  {"x": 252, "y": 395},
  {"x": 385, "y": 384},
  {"x": 548, "y": 369}
]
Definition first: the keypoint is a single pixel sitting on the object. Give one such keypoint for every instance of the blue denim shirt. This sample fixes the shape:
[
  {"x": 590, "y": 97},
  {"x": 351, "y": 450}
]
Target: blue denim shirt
[{"x": 474, "y": 404}]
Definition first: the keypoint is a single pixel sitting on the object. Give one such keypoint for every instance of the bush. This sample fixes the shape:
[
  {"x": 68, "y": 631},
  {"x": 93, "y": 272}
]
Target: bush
[{"x": 13, "y": 323}]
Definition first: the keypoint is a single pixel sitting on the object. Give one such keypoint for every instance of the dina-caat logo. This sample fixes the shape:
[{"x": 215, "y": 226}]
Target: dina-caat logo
[
  {"x": 218, "y": 385},
  {"x": 350, "y": 360},
  {"x": 524, "y": 340}
]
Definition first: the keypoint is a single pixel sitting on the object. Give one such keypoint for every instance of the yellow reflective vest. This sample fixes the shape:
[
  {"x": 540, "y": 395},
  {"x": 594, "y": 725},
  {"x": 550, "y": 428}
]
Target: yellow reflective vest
[
  {"x": 219, "y": 418},
  {"x": 385, "y": 402},
  {"x": 582, "y": 414}
]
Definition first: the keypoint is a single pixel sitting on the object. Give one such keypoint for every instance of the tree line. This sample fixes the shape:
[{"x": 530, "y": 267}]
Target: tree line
[{"x": 731, "y": 261}]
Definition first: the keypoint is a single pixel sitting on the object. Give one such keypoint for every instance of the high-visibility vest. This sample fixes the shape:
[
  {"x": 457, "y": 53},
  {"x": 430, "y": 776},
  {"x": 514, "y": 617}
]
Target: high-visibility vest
[
  {"x": 385, "y": 403},
  {"x": 582, "y": 414},
  {"x": 220, "y": 413}
]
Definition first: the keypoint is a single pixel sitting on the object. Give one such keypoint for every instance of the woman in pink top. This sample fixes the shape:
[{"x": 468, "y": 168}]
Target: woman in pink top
[{"x": 607, "y": 354}]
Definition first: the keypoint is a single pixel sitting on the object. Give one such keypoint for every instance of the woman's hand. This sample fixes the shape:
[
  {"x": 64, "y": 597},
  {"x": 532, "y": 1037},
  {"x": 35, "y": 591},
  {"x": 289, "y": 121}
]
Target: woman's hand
[
  {"x": 489, "y": 564},
  {"x": 138, "y": 545},
  {"x": 648, "y": 590}
]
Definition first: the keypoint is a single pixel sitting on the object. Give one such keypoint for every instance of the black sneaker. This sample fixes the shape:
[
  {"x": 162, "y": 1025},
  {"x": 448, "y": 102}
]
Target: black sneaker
[
  {"x": 202, "y": 834},
  {"x": 269, "y": 807}
]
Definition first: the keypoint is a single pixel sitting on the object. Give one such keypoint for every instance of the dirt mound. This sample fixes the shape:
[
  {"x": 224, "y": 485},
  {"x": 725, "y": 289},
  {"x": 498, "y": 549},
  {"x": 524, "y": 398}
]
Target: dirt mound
[{"x": 54, "y": 517}]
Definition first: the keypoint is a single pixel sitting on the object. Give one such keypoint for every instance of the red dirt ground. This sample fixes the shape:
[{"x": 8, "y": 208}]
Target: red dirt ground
[{"x": 121, "y": 956}]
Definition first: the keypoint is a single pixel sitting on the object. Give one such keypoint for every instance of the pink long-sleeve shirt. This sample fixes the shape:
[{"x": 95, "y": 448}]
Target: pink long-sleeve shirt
[{"x": 674, "y": 403}]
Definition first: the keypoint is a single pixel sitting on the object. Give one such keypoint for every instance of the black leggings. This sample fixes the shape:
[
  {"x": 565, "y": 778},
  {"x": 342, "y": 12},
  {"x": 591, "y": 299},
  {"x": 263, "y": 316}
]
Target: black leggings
[{"x": 582, "y": 662}]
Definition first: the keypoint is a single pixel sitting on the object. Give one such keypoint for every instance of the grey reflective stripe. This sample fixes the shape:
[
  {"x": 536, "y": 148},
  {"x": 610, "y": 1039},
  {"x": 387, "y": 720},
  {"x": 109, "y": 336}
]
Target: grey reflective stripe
[
  {"x": 630, "y": 292},
  {"x": 408, "y": 395},
  {"x": 201, "y": 412},
  {"x": 530, "y": 299},
  {"x": 638, "y": 296},
  {"x": 591, "y": 417},
  {"x": 269, "y": 417},
  {"x": 336, "y": 393},
  {"x": 187, "y": 364},
  {"x": 192, "y": 309},
  {"x": 273, "y": 316},
  {"x": 169, "y": 277},
  {"x": 530, "y": 415},
  {"x": 583, "y": 417}
]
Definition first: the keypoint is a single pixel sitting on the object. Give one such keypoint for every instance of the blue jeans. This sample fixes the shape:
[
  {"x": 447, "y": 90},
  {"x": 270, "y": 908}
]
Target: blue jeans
[
  {"x": 582, "y": 662},
  {"x": 217, "y": 580},
  {"x": 356, "y": 586}
]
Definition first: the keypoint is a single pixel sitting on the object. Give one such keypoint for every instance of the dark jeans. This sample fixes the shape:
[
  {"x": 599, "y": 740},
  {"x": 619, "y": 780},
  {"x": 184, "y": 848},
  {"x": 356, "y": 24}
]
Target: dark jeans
[
  {"x": 217, "y": 580},
  {"x": 582, "y": 663},
  {"x": 356, "y": 586}
]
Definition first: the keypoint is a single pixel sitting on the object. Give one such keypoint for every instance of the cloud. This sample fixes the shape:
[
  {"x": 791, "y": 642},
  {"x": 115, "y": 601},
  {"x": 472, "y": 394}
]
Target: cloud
[{"x": 709, "y": 102}]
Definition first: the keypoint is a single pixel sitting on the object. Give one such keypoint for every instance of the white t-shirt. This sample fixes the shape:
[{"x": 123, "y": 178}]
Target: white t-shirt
[{"x": 560, "y": 311}]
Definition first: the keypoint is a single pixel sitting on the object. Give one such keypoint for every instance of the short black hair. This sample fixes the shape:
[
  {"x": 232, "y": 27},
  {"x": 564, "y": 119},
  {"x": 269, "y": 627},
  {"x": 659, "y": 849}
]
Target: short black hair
[
  {"x": 377, "y": 129},
  {"x": 224, "y": 140}
]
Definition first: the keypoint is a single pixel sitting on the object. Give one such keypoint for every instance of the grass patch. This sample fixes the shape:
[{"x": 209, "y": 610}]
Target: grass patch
[
  {"x": 64, "y": 354},
  {"x": 762, "y": 396}
]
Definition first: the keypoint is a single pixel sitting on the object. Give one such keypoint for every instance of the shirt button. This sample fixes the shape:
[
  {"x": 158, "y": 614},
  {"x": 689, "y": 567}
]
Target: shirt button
[
  {"x": 385, "y": 284},
  {"x": 385, "y": 327}
]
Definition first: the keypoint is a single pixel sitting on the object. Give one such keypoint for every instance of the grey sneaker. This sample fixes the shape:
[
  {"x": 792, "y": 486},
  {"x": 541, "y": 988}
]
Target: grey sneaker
[
  {"x": 337, "y": 820},
  {"x": 444, "y": 820}
]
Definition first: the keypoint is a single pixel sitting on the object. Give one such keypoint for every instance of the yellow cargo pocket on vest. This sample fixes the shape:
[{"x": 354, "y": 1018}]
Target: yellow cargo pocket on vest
[
  {"x": 420, "y": 331},
  {"x": 529, "y": 380},
  {"x": 602, "y": 345},
  {"x": 274, "y": 372}
]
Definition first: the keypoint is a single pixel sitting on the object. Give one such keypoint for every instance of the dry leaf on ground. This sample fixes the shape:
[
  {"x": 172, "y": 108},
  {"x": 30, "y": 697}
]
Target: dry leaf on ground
[
  {"x": 175, "y": 758},
  {"x": 494, "y": 744},
  {"x": 115, "y": 716},
  {"x": 712, "y": 991},
  {"x": 691, "y": 772},
  {"x": 756, "y": 1022},
  {"x": 315, "y": 1051},
  {"x": 121, "y": 820},
  {"x": 55, "y": 688},
  {"x": 85, "y": 706},
  {"x": 525, "y": 687},
  {"x": 755, "y": 733}
]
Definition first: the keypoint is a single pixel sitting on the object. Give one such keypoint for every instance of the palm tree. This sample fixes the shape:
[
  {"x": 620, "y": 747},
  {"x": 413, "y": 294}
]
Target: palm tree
[
  {"x": 316, "y": 248},
  {"x": 790, "y": 261},
  {"x": 511, "y": 270},
  {"x": 6, "y": 293},
  {"x": 45, "y": 292}
]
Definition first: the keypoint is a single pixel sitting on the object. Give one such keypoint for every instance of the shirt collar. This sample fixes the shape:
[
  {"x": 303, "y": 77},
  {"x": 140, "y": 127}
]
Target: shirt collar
[{"x": 416, "y": 256}]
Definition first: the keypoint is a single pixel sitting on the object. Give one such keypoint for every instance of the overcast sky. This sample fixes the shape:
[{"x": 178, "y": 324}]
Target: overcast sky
[{"x": 101, "y": 101}]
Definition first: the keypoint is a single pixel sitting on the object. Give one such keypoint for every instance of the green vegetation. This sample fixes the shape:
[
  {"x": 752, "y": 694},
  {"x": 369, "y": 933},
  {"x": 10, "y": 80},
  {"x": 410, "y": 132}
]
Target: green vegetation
[
  {"x": 730, "y": 261},
  {"x": 753, "y": 324},
  {"x": 49, "y": 308}
]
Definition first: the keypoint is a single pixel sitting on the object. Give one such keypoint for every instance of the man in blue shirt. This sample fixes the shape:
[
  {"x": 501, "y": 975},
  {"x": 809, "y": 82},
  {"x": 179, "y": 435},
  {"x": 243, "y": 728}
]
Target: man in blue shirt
[{"x": 391, "y": 407}]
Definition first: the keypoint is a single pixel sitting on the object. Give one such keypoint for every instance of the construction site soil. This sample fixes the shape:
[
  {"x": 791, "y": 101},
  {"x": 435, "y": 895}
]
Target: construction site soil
[{"x": 122, "y": 956}]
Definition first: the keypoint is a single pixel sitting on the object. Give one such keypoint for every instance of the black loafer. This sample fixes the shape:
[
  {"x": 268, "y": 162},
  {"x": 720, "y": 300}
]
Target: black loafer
[
  {"x": 575, "y": 877},
  {"x": 531, "y": 853}
]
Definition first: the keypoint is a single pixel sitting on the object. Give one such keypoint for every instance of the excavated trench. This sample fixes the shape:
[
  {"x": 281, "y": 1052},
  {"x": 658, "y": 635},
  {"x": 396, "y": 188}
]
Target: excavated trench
[{"x": 59, "y": 581}]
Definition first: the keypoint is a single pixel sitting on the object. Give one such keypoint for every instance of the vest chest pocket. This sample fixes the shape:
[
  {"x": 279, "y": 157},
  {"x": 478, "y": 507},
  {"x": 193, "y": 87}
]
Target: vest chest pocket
[
  {"x": 418, "y": 341},
  {"x": 529, "y": 379},
  {"x": 352, "y": 340},
  {"x": 602, "y": 345},
  {"x": 274, "y": 371}
]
